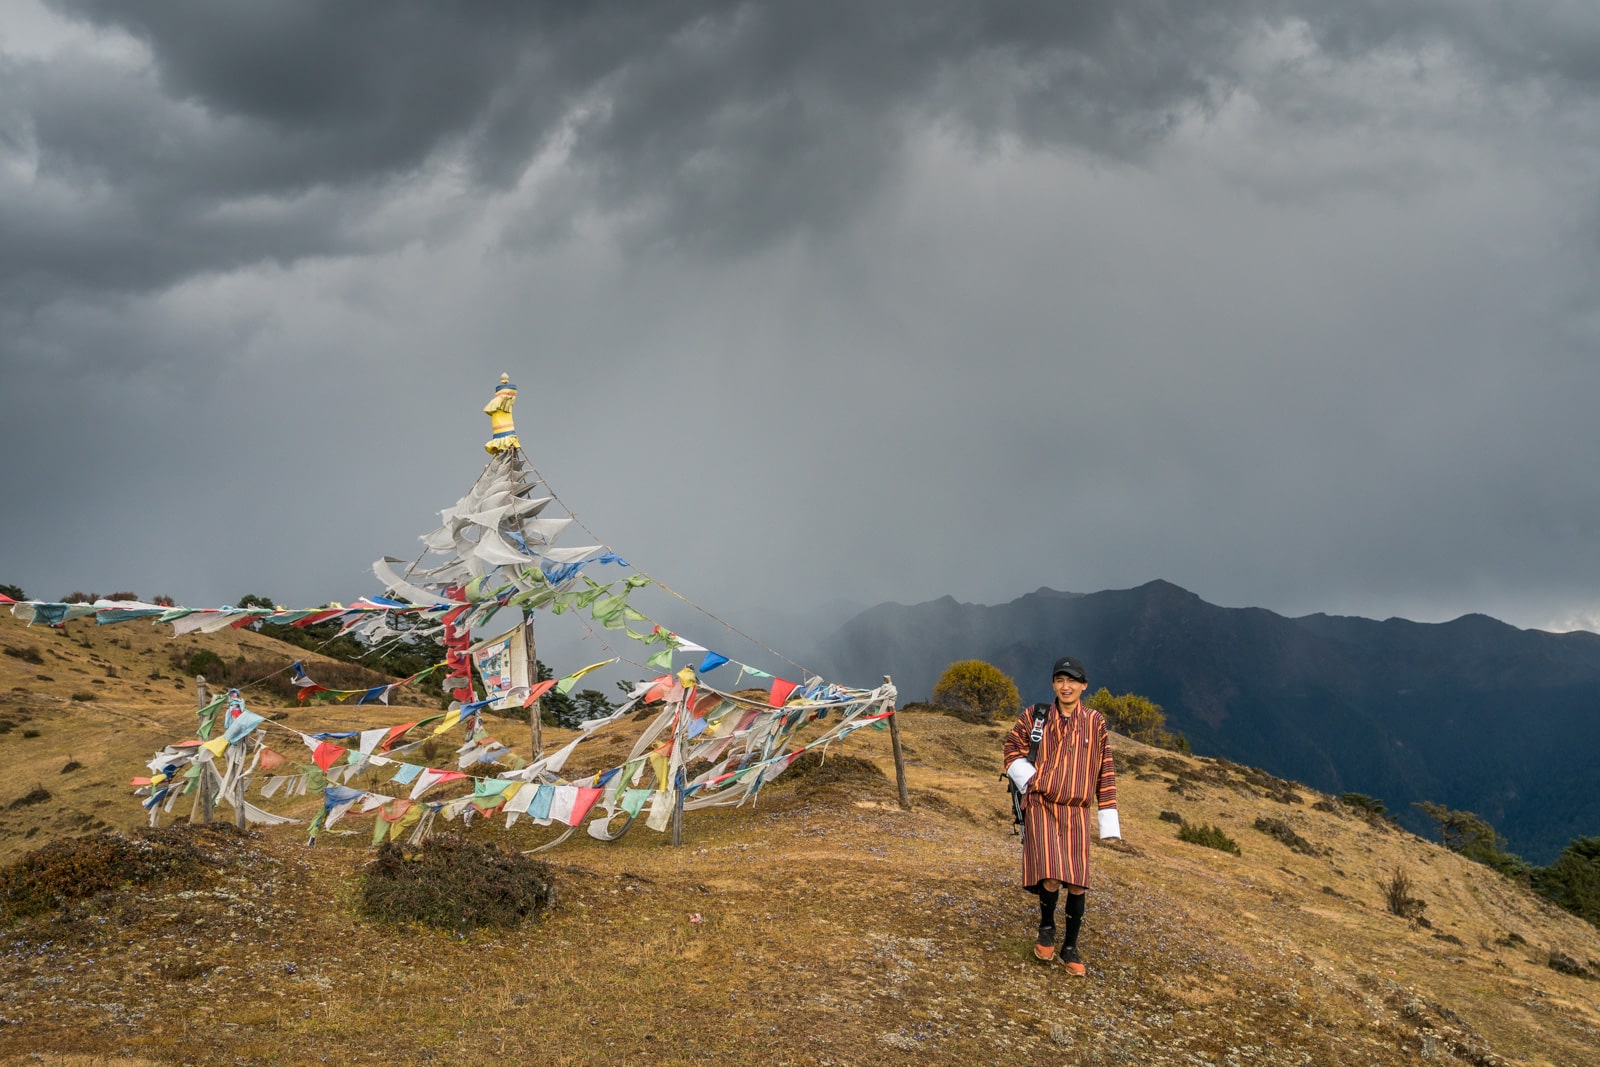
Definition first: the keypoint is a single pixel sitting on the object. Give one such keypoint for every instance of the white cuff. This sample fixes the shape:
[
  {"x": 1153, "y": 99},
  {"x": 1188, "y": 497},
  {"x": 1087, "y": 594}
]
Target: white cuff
[
  {"x": 1110, "y": 826},
  {"x": 1021, "y": 773}
]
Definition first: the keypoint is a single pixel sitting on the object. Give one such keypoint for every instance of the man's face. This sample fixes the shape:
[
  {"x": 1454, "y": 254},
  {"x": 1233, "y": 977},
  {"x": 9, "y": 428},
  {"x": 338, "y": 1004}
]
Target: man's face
[{"x": 1068, "y": 689}]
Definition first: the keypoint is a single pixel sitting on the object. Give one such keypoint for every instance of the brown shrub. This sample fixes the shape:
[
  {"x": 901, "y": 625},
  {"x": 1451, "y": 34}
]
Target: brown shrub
[
  {"x": 81, "y": 867},
  {"x": 37, "y": 795},
  {"x": 1397, "y": 896},
  {"x": 1281, "y": 830},
  {"x": 816, "y": 773},
  {"x": 454, "y": 884}
]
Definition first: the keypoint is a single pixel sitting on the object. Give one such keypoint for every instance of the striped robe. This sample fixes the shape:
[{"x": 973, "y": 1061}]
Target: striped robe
[{"x": 1074, "y": 771}]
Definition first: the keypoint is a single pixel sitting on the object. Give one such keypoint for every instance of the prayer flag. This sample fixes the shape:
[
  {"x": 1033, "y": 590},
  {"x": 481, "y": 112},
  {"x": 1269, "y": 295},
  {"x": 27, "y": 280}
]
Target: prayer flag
[
  {"x": 241, "y": 726},
  {"x": 585, "y": 799},
  {"x": 566, "y": 684}
]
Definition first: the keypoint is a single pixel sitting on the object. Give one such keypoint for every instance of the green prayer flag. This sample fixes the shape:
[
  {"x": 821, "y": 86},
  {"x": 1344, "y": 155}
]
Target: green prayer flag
[
  {"x": 588, "y": 596},
  {"x": 208, "y": 716},
  {"x": 633, "y": 800},
  {"x": 662, "y": 659}
]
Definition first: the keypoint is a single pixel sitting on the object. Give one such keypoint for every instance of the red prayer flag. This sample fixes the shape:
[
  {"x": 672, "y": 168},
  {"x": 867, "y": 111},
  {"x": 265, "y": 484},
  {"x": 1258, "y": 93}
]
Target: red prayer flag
[
  {"x": 394, "y": 735},
  {"x": 326, "y": 755},
  {"x": 538, "y": 691},
  {"x": 587, "y": 795},
  {"x": 270, "y": 760},
  {"x": 780, "y": 692}
]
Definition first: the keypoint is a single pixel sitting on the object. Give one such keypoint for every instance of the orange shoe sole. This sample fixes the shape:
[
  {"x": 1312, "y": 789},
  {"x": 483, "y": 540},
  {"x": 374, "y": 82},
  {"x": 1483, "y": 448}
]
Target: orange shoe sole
[
  {"x": 1044, "y": 953},
  {"x": 1077, "y": 970}
]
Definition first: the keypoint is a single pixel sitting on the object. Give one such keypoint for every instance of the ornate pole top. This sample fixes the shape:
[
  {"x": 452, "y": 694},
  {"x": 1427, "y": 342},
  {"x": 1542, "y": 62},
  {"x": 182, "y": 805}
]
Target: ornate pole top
[{"x": 503, "y": 432}]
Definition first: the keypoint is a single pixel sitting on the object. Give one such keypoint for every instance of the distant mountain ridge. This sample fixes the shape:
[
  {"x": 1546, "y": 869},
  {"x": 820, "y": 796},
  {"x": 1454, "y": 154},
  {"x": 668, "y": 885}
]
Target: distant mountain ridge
[{"x": 1473, "y": 713}]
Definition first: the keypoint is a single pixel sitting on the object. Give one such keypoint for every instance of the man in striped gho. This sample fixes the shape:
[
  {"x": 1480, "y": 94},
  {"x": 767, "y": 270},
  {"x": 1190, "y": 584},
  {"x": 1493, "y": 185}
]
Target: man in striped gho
[{"x": 1071, "y": 771}]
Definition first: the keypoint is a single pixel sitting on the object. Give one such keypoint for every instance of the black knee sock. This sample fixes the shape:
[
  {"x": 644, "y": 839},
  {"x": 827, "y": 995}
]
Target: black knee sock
[
  {"x": 1075, "y": 906},
  {"x": 1047, "y": 905}
]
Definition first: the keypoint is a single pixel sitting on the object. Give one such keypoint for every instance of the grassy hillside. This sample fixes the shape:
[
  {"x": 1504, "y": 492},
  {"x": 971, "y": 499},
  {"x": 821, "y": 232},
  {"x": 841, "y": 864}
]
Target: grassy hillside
[{"x": 824, "y": 925}]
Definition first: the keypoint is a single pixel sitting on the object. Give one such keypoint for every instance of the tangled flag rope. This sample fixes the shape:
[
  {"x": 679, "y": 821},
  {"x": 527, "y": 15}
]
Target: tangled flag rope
[{"x": 740, "y": 743}]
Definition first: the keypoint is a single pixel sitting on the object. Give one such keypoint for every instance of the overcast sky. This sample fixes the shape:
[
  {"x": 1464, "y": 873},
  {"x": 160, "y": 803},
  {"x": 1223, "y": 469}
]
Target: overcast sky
[{"x": 813, "y": 303}]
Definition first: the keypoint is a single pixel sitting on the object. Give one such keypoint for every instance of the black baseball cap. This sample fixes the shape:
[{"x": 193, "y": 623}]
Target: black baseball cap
[{"x": 1072, "y": 667}]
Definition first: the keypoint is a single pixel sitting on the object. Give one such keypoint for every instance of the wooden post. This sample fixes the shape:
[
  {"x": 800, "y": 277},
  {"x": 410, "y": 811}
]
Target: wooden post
[
  {"x": 899, "y": 757},
  {"x": 238, "y": 795},
  {"x": 204, "y": 800},
  {"x": 535, "y": 725},
  {"x": 680, "y": 733}
]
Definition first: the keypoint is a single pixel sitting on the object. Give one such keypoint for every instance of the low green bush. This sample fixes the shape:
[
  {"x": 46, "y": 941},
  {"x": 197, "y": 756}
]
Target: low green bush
[{"x": 1209, "y": 836}]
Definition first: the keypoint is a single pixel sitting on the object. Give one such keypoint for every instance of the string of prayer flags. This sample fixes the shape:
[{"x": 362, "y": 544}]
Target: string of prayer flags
[{"x": 378, "y": 694}]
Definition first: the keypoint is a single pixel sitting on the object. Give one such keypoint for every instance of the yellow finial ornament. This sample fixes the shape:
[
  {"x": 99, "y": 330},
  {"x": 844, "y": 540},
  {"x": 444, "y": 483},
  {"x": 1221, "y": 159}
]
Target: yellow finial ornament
[{"x": 503, "y": 433}]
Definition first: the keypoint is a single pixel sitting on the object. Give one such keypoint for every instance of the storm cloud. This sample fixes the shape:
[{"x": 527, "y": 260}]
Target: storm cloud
[{"x": 1291, "y": 304}]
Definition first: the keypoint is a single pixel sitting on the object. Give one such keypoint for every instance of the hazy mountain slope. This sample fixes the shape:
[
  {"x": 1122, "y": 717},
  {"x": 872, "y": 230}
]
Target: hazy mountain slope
[{"x": 1472, "y": 713}]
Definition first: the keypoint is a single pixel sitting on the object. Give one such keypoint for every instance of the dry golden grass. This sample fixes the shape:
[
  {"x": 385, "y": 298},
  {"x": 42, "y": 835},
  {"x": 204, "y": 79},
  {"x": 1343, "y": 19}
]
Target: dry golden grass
[{"x": 823, "y": 925}]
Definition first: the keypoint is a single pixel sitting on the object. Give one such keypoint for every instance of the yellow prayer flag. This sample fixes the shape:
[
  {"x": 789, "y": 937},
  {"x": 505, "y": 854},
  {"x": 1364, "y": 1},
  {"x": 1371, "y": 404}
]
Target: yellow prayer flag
[
  {"x": 449, "y": 721},
  {"x": 406, "y": 821},
  {"x": 216, "y": 745},
  {"x": 591, "y": 667}
]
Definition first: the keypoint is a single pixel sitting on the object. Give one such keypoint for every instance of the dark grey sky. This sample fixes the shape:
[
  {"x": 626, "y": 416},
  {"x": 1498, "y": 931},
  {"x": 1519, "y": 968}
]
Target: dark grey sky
[{"x": 1293, "y": 304}]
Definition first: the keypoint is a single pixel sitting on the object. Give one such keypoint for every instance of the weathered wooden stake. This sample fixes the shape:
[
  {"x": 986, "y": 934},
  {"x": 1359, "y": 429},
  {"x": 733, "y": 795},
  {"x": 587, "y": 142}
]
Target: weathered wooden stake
[
  {"x": 680, "y": 731},
  {"x": 535, "y": 726},
  {"x": 899, "y": 757},
  {"x": 204, "y": 799},
  {"x": 238, "y": 796}
]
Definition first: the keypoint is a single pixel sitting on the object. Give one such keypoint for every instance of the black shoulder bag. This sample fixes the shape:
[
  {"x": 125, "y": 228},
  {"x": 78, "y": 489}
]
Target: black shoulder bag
[{"x": 1018, "y": 816}]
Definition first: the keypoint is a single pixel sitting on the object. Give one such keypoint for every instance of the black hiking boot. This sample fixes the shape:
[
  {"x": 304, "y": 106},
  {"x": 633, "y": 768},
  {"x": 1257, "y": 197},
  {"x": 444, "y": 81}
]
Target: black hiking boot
[{"x": 1044, "y": 949}]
